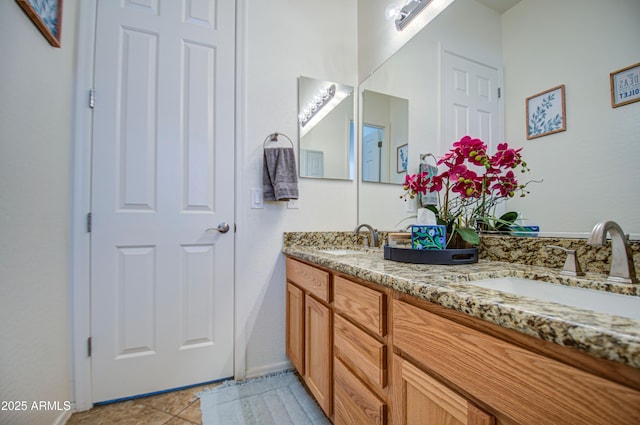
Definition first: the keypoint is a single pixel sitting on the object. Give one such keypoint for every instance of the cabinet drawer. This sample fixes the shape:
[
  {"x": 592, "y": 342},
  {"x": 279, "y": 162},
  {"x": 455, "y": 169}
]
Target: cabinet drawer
[
  {"x": 365, "y": 306},
  {"x": 526, "y": 386},
  {"x": 360, "y": 351},
  {"x": 354, "y": 403},
  {"x": 312, "y": 280}
]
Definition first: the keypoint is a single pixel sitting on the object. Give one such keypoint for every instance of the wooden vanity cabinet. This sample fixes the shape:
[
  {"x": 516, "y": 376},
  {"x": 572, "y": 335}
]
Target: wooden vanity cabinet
[
  {"x": 371, "y": 355},
  {"x": 421, "y": 399},
  {"x": 309, "y": 329},
  {"x": 446, "y": 364},
  {"x": 361, "y": 362}
]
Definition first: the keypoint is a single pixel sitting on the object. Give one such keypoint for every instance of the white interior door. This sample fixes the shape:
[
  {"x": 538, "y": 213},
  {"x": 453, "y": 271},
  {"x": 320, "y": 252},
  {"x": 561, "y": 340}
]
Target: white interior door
[
  {"x": 313, "y": 163},
  {"x": 470, "y": 101},
  {"x": 162, "y": 174},
  {"x": 371, "y": 148}
]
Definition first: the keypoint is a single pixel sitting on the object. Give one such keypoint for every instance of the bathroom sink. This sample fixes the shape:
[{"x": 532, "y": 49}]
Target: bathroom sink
[
  {"x": 342, "y": 251},
  {"x": 589, "y": 299}
]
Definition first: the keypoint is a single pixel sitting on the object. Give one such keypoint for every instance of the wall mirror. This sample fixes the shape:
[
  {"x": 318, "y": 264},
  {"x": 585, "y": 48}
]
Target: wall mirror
[
  {"x": 498, "y": 35},
  {"x": 385, "y": 130},
  {"x": 325, "y": 125}
]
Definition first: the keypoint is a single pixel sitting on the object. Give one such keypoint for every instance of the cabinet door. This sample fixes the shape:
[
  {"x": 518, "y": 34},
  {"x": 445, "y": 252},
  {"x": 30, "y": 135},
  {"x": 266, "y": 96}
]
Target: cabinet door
[
  {"x": 295, "y": 327},
  {"x": 318, "y": 347},
  {"x": 355, "y": 404},
  {"x": 419, "y": 399}
]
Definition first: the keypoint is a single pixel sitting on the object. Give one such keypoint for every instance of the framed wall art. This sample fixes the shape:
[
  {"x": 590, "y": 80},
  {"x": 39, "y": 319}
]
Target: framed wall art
[
  {"x": 546, "y": 113},
  {"x": 47, "y": 17},
  {"x": 402, "y": 158},
  {"x": 625, "y": 85}
]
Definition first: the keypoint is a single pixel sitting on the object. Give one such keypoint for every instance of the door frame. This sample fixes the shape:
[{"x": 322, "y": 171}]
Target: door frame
[{"x": 79, "y": 286}]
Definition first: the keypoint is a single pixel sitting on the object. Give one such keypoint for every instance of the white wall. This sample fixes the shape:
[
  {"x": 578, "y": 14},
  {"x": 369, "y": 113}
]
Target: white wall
[
  {"x": 591, "y": 170},
  {"x": 284, "y": 40},
  {"x": 35, "y": 140}
]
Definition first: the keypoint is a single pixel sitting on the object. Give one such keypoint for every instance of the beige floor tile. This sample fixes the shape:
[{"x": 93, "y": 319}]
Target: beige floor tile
[
  {"x": 192, "y": 413},
  {"x": 126, "y": 413},
  {"x": 174, "y": 408},
  {"x": 179, "y": 421},
  {"x": 171, "y": 403}
]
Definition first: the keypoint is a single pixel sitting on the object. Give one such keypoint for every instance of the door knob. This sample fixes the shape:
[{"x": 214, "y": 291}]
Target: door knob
[{"x": 222, "y": 228}]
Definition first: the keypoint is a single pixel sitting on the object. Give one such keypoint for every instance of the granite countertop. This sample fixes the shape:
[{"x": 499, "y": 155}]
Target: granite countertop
[{"x": 601, "y": 335}]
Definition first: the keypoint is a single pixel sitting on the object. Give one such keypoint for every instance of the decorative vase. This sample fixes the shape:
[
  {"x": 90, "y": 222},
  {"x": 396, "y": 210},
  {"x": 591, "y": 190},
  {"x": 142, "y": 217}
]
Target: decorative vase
[{"x": 456, "y": 242}]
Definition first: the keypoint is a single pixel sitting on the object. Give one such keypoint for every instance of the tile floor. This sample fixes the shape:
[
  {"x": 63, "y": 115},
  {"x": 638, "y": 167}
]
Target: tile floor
[{"x": 174, "y": 408}]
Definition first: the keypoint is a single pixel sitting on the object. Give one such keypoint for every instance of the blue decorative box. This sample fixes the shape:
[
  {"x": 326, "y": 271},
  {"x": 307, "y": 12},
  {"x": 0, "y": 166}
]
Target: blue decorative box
[
  {"x": 428, "y": 237},
  {"x": 517, "y": 230}
]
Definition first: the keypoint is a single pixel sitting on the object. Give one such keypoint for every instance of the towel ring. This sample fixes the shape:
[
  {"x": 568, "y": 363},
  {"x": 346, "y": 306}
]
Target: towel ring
[
  {"x": 273, "y": 138},
  {"x": 425, "y": 156}
]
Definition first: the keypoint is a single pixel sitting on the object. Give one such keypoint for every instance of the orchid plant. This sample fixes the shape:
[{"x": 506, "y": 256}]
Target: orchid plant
[{"x": 470, "y": 187}]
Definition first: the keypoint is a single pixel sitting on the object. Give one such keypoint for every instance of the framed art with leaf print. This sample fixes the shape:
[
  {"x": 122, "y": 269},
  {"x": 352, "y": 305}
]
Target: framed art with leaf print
[
  {"x": 47, "y": 17},
  {"x": 625, "y": 85},
  {"x": 546, "y": 113},
  {"x": 402, "y": 158}
]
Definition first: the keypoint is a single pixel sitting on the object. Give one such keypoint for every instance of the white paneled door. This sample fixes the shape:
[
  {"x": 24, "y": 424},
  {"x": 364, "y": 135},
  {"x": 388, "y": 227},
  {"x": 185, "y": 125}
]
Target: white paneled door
[
  {"x": 470, "y": 101},
  {"x": 162, "y": 181}
]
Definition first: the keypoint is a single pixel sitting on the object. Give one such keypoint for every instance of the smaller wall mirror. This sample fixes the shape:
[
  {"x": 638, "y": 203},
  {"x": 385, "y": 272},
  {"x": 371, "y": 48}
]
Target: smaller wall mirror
[
  {"x": 385, "y": 135},
  {"x": 325, "y": 125}
]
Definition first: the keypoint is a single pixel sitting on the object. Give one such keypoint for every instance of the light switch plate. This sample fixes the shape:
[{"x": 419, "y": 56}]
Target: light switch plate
[
  {"x": 257, "y": 199},
  {"x": 293, "y": 204}
]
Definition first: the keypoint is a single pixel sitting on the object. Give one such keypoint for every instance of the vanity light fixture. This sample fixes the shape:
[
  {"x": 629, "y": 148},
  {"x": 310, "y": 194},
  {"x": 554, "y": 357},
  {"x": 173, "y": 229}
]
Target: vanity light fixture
[
  {"x": 408, "y": 12},
  {"x": 316, "y": 104}
]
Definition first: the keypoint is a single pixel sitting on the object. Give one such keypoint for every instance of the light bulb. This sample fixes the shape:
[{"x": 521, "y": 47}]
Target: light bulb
[{"x": 392, "y": 12}]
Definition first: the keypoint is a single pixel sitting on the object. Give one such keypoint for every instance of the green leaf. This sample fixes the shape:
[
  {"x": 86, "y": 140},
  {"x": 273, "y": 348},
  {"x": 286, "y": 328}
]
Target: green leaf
[
  {"x": 468, "y": 235},
  {"x": 510, "y": 216},
  {"x": 433, "y": 209},
  {"x": 506, "y": 220}
]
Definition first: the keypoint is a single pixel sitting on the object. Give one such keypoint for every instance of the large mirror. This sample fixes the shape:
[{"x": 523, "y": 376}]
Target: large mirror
[
  {"x": 590, "y": 171},
  {"x": 385, "y": 127},
  {"x": 325, "y": 124}
]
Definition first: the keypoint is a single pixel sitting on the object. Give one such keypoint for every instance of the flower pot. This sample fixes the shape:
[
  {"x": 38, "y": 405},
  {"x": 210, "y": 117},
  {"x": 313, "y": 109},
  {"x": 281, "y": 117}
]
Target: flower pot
[{"x": 456, "y": 242}]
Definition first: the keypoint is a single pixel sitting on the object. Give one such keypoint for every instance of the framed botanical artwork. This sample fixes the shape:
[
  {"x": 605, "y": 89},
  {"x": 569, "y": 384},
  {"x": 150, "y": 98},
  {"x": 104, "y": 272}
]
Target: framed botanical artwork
[
  {"x": 625, "y": 85},
  {"x": 47, "y": 17},
  {"x": 402, "y": 158},
  {"x": 546, "y": 113}
]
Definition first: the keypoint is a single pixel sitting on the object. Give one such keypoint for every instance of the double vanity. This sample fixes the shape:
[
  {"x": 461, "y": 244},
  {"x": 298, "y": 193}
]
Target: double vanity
[{"x": 383, "y": 342}]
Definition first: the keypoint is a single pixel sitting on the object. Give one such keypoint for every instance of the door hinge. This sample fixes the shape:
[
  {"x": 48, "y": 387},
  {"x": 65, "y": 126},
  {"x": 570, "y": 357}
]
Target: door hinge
[
  {"x": 92, "y": 98},
  {"x": 89, "y": 347},
  {"x": 89, "y": 219},
  {"x": 499, "y": 92}
]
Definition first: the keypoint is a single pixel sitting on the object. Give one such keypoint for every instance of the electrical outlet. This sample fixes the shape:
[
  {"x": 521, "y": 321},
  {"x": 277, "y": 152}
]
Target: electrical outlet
[
  {"x": 411, "y": 205},
  {"x": 293, "y": 204}
]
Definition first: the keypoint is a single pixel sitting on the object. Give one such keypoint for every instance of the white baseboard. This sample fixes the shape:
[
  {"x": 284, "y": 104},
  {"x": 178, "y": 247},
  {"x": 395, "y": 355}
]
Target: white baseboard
[
  {"x": 63, "y": 417},
  {"x": 265, "y": 370}
]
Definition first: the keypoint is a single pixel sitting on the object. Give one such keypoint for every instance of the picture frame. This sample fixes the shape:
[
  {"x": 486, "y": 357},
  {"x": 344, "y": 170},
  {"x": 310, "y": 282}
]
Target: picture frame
[
  {"x": 46, "y": 16},
  {"x": 625, "y": 85},
  {"x": 546, "y": 113},
  {"x": 402, "y": 158}
]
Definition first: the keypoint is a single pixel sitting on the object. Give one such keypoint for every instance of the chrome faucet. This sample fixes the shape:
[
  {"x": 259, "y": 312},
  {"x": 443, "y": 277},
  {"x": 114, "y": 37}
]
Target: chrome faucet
[
  {"x": 373, "y": 242},
  {"x": 622, "y": 267}
]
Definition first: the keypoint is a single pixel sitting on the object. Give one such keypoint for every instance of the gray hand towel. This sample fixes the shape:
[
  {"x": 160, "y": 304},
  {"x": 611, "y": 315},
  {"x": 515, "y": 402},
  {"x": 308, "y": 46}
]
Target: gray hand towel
[{"x": 279, "y": 176}]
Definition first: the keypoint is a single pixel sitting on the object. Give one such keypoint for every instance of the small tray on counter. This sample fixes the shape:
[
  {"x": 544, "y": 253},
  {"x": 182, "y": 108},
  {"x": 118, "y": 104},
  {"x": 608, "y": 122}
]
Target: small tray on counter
[{"x": 432, "y": 256}]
